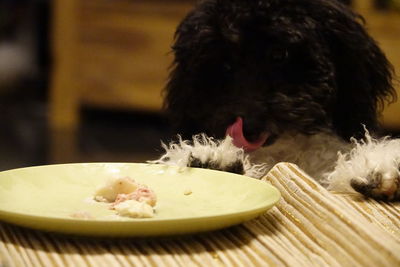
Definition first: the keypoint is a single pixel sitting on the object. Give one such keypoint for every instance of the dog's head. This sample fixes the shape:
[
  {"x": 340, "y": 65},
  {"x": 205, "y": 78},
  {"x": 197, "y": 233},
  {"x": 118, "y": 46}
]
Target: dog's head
[{"x": 275, "y": 66}]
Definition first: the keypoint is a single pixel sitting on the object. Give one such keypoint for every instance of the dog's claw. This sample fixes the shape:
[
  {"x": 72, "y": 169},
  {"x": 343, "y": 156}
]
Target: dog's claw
[{"x": 378, "y": 188}]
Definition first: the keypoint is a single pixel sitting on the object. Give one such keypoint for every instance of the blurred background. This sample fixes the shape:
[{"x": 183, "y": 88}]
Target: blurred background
[{"x": 81, "y": 80}]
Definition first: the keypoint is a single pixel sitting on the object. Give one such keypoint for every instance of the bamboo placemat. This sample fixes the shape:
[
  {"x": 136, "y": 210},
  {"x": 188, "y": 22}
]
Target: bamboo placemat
[{"x": 309, "y": 227}]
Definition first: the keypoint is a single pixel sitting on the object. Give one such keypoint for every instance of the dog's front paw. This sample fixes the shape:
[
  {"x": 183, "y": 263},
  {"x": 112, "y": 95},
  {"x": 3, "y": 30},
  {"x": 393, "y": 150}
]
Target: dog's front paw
[
  {"x": 379, "y": 185},
  {"x": 206, "y": 152},
  {"x": 372, "y": 168}
]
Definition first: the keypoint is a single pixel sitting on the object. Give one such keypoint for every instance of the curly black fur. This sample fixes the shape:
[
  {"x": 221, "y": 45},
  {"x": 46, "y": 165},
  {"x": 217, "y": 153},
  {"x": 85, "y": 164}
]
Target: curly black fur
[{"x": 282, "y": 65}]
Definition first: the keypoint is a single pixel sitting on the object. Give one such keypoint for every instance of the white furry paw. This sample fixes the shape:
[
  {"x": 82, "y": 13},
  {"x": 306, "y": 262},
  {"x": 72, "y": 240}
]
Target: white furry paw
[
  {"x": 206, "y": 152},
  {"x": 371, "y": 168},
  {"x": 378, "y": 185}
]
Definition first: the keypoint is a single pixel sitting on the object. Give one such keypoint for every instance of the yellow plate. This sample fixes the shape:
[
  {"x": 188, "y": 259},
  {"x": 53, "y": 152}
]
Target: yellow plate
[{"x": 45, "y": 197}]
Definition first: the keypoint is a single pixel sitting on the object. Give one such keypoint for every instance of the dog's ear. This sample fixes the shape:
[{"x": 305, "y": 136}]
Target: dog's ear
[
  {"x": 195, "y": 75},
  {"x": 363, "y": 74},
  {"x": 182, "y": 97}
]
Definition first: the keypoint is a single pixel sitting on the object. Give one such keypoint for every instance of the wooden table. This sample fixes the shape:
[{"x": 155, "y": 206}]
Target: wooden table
[{"x": 310, "y": 226}]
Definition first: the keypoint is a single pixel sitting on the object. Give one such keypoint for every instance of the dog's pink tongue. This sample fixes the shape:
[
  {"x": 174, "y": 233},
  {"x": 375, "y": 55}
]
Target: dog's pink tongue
[{"x": 236, "y": 132}]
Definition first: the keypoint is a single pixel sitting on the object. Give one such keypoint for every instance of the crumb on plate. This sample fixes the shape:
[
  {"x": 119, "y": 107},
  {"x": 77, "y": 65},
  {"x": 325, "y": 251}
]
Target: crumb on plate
[
  {"x": 187, "y": 192},
  {"x": 82, "y": 215}
]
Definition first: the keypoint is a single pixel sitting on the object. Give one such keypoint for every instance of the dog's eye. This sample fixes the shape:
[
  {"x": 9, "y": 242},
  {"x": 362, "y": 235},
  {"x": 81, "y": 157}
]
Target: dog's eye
[{"x": 278, "y": 54}]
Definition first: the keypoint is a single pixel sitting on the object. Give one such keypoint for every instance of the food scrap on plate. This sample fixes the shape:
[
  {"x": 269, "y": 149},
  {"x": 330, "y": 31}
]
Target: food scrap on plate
[{"x": 127, "y": 197}]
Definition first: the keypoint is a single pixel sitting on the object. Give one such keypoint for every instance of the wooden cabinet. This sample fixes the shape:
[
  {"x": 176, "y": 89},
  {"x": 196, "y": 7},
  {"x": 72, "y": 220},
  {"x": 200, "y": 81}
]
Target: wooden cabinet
[
  {"x": 124, "y": 51},
  {"x": 112, "y": 54},
  {"x": 384, "y": 26}
]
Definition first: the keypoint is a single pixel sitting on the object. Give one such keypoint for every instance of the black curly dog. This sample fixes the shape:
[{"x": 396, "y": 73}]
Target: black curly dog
[{"x": 303, "y": 67}]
